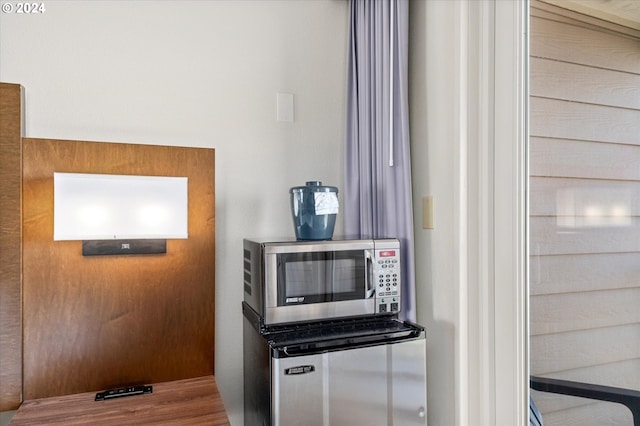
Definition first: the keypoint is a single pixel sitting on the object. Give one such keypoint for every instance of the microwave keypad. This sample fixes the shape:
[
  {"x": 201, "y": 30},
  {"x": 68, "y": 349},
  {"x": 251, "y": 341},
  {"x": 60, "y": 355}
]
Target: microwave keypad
[{"x": 388, "y": 284}]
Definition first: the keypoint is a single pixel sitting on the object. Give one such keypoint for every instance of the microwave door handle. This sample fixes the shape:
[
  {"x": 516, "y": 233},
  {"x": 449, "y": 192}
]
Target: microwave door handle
[{"x": 368, "y": 276}]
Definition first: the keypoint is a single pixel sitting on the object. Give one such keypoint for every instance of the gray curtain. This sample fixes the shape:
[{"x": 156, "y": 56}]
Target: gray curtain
[{"x": 377, "y": 190}]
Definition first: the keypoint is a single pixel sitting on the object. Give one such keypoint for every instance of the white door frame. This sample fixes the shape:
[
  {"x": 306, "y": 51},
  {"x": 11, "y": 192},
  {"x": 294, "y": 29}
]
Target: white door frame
[{"x": 492, "y": 386}]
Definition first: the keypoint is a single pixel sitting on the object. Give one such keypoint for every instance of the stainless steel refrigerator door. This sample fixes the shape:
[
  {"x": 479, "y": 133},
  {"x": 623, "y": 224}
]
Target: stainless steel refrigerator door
[
  {"x": 377, "y": 385},
  {"x": 409, "y": 383},
  {"x": 298, "y": 390}
]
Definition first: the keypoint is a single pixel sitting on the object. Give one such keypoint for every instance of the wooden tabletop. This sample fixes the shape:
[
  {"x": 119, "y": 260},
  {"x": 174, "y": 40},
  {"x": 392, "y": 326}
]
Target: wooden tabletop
[{"x": 183, "y": 402}]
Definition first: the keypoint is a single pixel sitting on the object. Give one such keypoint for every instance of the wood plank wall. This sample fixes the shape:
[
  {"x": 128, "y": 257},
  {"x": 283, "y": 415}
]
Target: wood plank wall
[
  {"x": 584, "y": 210},
  {"x": 11, "y": 118},
  {"x": 97, "y": 322}
]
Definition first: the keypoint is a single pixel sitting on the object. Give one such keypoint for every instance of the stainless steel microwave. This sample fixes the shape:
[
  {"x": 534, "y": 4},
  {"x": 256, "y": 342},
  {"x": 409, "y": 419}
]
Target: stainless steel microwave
[{"x": 298, "y": 281}]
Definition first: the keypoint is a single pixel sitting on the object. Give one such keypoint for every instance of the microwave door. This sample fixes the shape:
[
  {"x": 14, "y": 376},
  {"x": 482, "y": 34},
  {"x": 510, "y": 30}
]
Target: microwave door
[
  {"x": 320, "y": 277},
  {"x": 314, "y": 285},
  {"x": 338, "y": 278}
]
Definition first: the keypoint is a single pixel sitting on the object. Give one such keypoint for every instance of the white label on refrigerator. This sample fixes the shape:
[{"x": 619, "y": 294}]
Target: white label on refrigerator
[{"x": 326, "y": 202}]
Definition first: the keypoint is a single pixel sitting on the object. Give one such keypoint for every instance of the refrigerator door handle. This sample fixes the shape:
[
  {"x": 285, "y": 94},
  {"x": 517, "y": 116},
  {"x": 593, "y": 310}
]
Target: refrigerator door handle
[{"x": 351, "y": 343}]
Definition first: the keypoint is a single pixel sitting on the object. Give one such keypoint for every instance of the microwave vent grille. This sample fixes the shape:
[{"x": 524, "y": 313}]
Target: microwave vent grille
[{"x": 247, "y": 271}]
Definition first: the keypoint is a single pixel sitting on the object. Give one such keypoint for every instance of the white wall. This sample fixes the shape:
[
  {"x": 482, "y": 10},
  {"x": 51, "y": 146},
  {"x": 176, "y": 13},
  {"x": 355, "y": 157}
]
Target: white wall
[
  {"x": 201, "y": 74},
  {"x": 434, "y": 155}
]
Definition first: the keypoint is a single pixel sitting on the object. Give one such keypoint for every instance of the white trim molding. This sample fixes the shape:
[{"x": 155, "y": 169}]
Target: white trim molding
[{"x": 492, "y": 345}]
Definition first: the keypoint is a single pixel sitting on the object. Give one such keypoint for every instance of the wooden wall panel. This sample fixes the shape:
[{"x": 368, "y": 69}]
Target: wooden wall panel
[
  {"x": 549, "y": 191},
  {"x": 553, "y": 118},
  {"x": 11, "y": 117},
  {"x": 588, "y": 46},
  {"x": 584, "y": 208},
  {"x": 579, "y": 83},
  {"x": 591, "y": 160},
  {"x": 580, "y": 350},
  {"x": 591, "y": 413},
  {"x": 577, "y": 236},
  {"x": 583, "y": 272},
  {"x": 586, "y": 310},
  {"x": 92, "y": 323},
  {"x": 539, "y": 9}
]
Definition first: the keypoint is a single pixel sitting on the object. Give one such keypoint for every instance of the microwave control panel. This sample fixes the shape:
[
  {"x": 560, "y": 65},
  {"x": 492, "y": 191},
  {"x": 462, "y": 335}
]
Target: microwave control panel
[{"x": 386, "y": 276}]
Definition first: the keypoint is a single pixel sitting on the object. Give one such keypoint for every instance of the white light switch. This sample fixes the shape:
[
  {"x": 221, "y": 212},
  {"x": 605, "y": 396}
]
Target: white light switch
[
  {"x": 427, "y": 212},
  {"x": 284, "y": 107}
]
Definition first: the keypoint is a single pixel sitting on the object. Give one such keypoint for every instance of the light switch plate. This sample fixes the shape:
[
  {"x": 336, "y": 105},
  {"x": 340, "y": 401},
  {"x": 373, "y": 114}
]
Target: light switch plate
[
  {"x": 284, "y": 107},
  {"x": 427, "y": 212}
]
